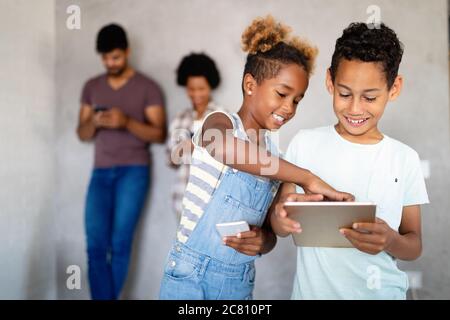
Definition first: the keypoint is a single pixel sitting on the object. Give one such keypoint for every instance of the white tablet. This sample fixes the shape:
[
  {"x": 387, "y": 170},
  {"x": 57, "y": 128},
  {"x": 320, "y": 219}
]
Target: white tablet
[{"x": 320, "y": 221}]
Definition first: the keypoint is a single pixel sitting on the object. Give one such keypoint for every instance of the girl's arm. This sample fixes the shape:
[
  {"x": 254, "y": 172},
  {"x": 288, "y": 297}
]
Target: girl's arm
[{"x": 218, "y": 139}]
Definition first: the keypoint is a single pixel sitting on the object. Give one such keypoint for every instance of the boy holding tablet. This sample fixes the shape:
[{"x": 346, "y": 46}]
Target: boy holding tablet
[{"x": 356, "y": 157}]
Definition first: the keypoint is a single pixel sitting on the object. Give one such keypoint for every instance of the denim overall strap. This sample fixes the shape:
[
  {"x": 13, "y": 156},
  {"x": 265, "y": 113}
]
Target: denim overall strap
[{"x": 240, "y": 196}]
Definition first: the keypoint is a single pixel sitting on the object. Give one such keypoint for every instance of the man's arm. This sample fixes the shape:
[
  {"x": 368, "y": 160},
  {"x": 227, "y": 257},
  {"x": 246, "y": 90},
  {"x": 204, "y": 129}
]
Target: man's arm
[
  {"x": 153, "y": 131},
  {"x": 86, "y": 127}
]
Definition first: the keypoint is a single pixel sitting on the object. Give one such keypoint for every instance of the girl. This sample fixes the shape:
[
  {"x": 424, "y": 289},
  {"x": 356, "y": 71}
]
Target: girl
[
  {"x": 235, "y": 171},
  {"x": 198, "y": 73}
]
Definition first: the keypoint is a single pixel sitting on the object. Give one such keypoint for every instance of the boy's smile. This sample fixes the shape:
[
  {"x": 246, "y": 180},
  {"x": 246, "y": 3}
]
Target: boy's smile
[{"x": 360, "y": 94}]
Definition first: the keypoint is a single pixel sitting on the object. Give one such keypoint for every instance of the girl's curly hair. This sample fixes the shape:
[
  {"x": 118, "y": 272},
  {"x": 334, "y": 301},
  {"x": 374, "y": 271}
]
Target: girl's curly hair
[{"x": 269, "y": 47}]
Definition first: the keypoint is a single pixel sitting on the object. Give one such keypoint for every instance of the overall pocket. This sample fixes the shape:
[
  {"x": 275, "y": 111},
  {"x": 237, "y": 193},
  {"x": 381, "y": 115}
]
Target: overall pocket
[
  {"x": 235, "y": 210},
  {"x": 178, "y": 269}
]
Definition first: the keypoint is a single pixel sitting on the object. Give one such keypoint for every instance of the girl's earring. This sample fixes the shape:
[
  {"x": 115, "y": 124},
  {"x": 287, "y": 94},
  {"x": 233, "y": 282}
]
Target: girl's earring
[{"x": 249, "y": 93}]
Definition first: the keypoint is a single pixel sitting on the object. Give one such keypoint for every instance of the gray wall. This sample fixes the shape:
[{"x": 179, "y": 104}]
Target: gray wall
[
  {"x": 161, "y": 32},
  {"x": 27, "y": 43}
]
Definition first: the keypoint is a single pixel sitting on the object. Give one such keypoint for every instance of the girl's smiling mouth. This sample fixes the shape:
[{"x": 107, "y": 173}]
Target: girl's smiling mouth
[{"x": 278, "y": 118}]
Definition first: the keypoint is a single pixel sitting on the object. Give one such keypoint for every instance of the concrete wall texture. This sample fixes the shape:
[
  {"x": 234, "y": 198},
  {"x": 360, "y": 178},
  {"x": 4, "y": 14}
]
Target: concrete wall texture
[
  {"x": 27, "y": 169},
  {"x": 44, "y": 181}
]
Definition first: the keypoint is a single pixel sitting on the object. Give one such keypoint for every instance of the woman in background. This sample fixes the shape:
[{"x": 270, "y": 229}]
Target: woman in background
[{"x": 198, "y": 73}]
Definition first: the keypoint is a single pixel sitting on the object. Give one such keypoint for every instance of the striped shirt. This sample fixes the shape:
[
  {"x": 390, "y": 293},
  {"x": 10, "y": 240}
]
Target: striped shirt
[
  {"x": 182, "y": 128},
  {"x": 205, "y": 176}
]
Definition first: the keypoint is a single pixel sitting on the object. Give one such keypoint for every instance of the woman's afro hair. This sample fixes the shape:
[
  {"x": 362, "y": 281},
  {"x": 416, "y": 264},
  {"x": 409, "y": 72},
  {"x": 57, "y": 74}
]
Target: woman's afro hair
[{"x": 198, "y": 64}]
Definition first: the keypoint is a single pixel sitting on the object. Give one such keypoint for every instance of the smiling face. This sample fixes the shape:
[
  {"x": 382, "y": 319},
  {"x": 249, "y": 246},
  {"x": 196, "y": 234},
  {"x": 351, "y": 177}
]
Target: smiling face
[
  {"x": 360, "y": 94},
  {"x": 274, "y": 101},
  {"x": 199, "y": 91}
]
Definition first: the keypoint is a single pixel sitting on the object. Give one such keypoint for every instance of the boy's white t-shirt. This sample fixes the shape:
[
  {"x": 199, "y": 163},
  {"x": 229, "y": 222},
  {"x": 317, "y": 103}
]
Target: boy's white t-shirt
[{"x": 388, "y": 174}]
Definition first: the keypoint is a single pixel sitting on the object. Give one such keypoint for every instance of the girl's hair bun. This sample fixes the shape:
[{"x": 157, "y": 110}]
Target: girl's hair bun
[
  {"x": 308, "y": 51},
  {"x": 263, "y": 34}
]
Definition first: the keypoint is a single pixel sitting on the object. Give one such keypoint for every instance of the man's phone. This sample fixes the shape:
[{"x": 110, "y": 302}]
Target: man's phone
[
  {"x": 231, "y": 229},
  {"x": 98, "y": 108}
]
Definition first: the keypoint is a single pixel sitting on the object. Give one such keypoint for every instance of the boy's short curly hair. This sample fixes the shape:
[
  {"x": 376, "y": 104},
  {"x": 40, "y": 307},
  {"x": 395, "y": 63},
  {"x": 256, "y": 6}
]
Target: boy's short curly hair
[
  {"x": 111, "y": 37},
  {"x": 269, "y": 47},
  {"x": 198, "y": 64},
  {"x": 369, "y": 43}
]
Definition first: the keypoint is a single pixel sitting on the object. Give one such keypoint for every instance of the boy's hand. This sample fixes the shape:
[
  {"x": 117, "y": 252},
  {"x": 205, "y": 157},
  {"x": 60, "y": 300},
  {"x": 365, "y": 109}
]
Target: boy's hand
[
  {"x": 317, "y": 185},
  {"x": 250, "y": 242},
  {"x": 280, "y": 218},
  {"x": 370, "y": 238}
]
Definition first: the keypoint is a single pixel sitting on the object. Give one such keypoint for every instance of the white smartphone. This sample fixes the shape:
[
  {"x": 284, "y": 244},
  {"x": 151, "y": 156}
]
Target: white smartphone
[{"x": 231, "y": 229}]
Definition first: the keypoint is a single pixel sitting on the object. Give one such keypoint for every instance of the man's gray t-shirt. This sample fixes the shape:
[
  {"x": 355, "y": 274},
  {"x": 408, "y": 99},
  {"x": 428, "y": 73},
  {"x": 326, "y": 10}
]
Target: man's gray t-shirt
[{"x": 117, "y": 147}]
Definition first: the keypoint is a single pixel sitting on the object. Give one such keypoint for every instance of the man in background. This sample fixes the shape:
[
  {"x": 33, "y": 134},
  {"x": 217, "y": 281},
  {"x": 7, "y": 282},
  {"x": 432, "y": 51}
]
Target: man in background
[{"x": 122, "y": 111}]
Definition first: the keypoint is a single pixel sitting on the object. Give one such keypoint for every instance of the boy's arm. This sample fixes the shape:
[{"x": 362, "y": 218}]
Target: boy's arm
[
  {"x": 219, "y": 142},
  {"x": 406, "y": 244}
]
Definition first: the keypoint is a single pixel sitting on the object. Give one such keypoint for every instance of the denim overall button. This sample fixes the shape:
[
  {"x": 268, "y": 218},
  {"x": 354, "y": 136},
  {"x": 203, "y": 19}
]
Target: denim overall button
[{"x": 173, "y": 263}]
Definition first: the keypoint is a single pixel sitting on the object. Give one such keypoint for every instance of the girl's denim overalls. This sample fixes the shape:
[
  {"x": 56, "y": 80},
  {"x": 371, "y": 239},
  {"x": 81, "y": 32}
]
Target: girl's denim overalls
[{"x": 203, "y": 267}]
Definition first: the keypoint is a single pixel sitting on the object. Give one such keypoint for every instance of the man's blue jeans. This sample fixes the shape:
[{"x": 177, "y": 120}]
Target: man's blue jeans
[{"x": 114, "y": 203}]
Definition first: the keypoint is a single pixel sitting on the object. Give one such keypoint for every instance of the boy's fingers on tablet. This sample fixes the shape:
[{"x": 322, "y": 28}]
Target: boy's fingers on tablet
[
  {"x": 279, "y": 211},
  {"x": 291, "y": 223},
  {"x": 355, "y": 242},
  {"x": 366, "y": 247},
  {"x": 292, "y": 227},
  {"x": 360, "y": 237},
  {"x": 366, "y": 226}
]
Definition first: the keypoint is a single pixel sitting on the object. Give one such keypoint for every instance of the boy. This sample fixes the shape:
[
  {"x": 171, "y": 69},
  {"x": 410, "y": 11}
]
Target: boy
[{"x": 356, "y": 157}]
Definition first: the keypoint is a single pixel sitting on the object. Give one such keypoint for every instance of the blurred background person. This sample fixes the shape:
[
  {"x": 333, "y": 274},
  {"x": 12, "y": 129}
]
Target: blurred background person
[
  {"x": 122, "y": 111},
  {"x": 198, "y": 73}
]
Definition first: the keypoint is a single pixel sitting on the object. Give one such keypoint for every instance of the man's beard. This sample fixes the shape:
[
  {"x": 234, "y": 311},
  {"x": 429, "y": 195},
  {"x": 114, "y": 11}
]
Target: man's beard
[{"x": 116, "y": 72}]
